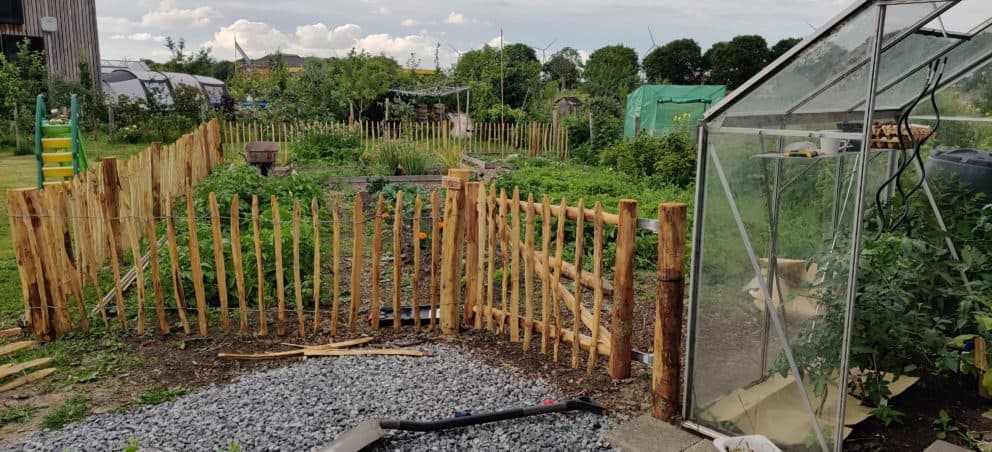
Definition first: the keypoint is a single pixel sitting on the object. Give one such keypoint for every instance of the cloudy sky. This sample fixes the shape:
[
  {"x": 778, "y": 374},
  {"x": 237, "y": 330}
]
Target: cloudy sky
[{"x": 136, "y": 28}]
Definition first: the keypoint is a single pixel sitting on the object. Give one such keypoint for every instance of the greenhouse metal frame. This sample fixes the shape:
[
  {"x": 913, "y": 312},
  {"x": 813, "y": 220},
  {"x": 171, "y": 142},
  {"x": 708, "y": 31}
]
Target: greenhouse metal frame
[{"x": 867, "y": 65}]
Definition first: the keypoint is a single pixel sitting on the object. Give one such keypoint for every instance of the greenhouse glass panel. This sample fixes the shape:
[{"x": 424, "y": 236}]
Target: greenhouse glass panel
[
  {"x": 830, "y": 58},
  {"x": 788, "y": 166}
]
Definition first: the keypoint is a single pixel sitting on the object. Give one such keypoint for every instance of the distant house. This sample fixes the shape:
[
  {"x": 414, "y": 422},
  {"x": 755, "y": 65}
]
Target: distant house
[
  {"x": 568, "y": 105},
  {"x": 65, "y": 31},
  {"x": 294, "y": 63}
]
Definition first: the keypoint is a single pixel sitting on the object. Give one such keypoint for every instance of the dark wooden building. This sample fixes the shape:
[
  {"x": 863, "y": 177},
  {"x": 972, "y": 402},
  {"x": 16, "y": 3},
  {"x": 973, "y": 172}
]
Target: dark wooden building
[{"x": 65, "y": 30}]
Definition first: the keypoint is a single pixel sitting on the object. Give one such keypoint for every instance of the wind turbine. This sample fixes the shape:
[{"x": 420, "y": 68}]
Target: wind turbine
[
  {"x": 654, "y": 45},
  {"x": 545, "y": 50}
]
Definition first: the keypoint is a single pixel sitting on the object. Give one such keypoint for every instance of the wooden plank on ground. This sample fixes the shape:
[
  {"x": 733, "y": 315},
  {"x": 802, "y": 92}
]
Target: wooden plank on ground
[
  {"x": 7, "y": 370},
  {"x": 383, "y": 351},
  {"x": 15, "y": 347},
  {"x": 10, "y": 332},
  {"x": 29, "y": 378}
]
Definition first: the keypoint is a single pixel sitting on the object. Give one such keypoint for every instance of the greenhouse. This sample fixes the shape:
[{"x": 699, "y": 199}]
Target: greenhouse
[
  {"x": 654, "y": 109},
  {"x": 793, "y": 168},
  {"x": 158, "y": 86}
]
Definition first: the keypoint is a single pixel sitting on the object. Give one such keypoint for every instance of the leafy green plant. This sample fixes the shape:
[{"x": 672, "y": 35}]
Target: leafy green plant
[
  {"x": 395, "y": 158},
  {"x": 943, "y": 425},
  {"x": 160, "y": 394},
  {"x": 74, "y": 409},
  {"x": 668, "y": 158},
  {"x": 132, "y": 445},
  {"x": 336, "y": 145}
]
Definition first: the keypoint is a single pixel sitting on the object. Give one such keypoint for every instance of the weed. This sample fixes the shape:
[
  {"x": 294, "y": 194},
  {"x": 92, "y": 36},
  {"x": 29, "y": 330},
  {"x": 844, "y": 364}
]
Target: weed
[
  {"x": 160, "y": 394},
  {"x": 74, "y": 409},
  {"x": 942, "y": 424},
  {"x": 16, "y": 414},
  {"x": 132, "y": 445}
]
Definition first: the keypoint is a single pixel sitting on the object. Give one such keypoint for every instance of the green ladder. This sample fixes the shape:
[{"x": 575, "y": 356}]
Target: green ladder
[{"x": 57, "y": 147}]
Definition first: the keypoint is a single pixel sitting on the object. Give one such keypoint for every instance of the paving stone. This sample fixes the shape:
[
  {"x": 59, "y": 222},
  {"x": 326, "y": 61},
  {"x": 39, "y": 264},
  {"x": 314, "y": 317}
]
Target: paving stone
[
  {"x": 645, "y": 433},
  {"x": 944, "y": 446}
]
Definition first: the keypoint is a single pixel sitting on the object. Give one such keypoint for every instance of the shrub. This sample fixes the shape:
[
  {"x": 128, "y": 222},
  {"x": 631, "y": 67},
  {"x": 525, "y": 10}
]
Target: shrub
[
  {"x": 396, "y": 158},
  {"x": 669, "y": 158},
  {"x": 451, "y": 155},
  {"x": 335, "y": 145},
  {"x": 607, "y": 131}
]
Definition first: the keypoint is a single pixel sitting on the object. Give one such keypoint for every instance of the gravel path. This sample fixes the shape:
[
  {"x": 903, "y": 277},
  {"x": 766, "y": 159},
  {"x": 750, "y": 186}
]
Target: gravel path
[{"x": 307, "y": 405}]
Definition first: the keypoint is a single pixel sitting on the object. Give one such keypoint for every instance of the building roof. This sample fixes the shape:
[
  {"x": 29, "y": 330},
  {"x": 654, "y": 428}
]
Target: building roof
[
  {"x": 570, "y": 100},
  {"x": 111, "y": 65},
  {"x": 289, "y": 59}
]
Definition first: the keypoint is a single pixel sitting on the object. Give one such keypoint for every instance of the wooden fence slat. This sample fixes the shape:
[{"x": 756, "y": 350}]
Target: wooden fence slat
[
  {"x": 546, "y": 276},
  {"x": 356, "y": 262},
  {"x": 397, "y": 259},
  {"x": 115, "y": 268},
  {"x": 196, "y": 266},
  {"x": 280, "y": 276},
  {"x": 435, "y": 251},
  {"x": 336, "y": 265},
  {"x": 480, "y": 254},
  {"x": 263, "y": 325},
  {"x": 472, "y": 271},
  {"x": 315, "y": 220},
  {"x": 529, "y": 273},
  {"x": 139, "y": 273},
  {"x": 415, "y": 282},
  {"x": 239, "y": 271},
  {"x": 556, "y": 290},
  {"x": 576, "y": 316},
  {"x": 491, "y": 258},
  {"x": 297, "y": 280},
  {"x": 178, "y": 292},
  {"x": 376, "y": 262},
  {"x": 219, "y": 267},
  {"x": 515, "y": 266},
  {"x": 597, "y": 270},
  {"x": 149, "y": 224},
  {"x": 505, "y": 255}
]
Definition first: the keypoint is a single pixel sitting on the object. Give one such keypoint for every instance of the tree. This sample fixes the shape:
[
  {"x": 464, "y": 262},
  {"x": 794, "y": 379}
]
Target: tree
[
  {"x": 200, "y": 62},
  {"x": 612, "y": 71},
  {"x": 732, "y": 62},
  {"x": 565, "y": 67},
  {"x": 480, "y": 69},
  {"x": 678, "y": 62},
  {"x": 363, "y": 78},
  {"x": 781, "y": 47}
]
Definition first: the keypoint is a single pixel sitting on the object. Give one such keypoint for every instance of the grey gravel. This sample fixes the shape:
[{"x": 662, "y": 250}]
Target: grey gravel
[{"x": 304, "y": 406}]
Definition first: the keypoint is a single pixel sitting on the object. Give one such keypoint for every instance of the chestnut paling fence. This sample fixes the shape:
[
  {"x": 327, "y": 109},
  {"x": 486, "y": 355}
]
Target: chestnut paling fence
[
  {"x": 533, "y": 138},
  {"x": 478, "y": 258}
]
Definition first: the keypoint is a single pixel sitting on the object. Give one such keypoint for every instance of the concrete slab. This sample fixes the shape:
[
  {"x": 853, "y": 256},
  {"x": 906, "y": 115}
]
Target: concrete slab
[
  {"x": 647, "y": 434},
  {"x": 705, "y": 445},
  {"x": 944, "y": 446}
]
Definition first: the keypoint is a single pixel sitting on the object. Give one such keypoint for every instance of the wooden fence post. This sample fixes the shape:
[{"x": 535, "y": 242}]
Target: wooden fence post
[
  {"x": 623, "y": 291},
  {"x": 472, "y": 270},
  {"x": 28, "y": 261},
  {"x": 111, "y": 201},
  {"x": 451, "y": 256},
  {"x": 665, "y": 397}
]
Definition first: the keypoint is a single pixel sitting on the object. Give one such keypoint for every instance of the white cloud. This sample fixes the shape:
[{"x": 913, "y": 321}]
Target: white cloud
[
  {"x": 455, "y": 18},
  {"x": 382, "y": 10},
  {"x": 409, "y": 23},
  {"x": 114, "y": 24},
  {"x": 139, "y": 37},
  {"x": 169, "y": 16},
  {"x": 260, "y": 38}
]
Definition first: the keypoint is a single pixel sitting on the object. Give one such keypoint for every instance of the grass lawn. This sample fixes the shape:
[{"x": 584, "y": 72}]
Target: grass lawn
[{"x": 19, "y": 172}]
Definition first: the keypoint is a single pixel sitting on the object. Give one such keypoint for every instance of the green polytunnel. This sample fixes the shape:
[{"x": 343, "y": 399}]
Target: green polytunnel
[{"x": 653, "y": 109}]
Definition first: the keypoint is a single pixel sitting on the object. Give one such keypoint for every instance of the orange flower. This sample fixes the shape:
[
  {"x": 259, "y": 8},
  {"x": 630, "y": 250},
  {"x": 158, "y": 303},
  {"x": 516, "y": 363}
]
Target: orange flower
[
  {"x": 440, "y": 225},
  {"x": 385, "y": 215},
  {"x": 422, "y": 235}
]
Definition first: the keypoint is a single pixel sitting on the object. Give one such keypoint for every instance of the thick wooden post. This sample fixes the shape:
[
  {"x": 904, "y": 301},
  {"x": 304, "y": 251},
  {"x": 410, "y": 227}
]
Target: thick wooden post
[
  {"x": 30, "y": 270},
  {"x": 451, "y": 255},
  {"x": 623, "y": 291},
  {"x": 472, "y": 270},
  {"x": 665, "y": 397}
]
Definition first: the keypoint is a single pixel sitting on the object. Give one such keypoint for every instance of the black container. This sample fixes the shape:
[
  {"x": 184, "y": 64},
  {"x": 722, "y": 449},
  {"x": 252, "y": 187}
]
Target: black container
[{"x": 971, "y": 167}]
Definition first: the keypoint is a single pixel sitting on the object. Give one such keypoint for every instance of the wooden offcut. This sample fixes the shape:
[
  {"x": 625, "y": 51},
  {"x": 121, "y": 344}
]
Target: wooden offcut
[
  {"x": 15, "y": 347},
  {"x": 29, "y": 378},
  {"x": 7, "y": 370}
]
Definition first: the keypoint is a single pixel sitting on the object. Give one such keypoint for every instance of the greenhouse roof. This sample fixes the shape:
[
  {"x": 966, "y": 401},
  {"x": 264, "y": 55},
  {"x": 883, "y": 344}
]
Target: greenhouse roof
[{"x": 825, "y": 77}]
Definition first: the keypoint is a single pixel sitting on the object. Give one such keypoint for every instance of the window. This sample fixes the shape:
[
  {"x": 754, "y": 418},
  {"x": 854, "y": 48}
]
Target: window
[
  {"x": 11, "y": 12},
  {"x": 8, "y": 44}
]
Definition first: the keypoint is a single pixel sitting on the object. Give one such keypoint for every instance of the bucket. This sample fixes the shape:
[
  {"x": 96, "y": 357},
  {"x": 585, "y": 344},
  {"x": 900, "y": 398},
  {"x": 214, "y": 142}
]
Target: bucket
[
  {"x": 830, "y": 146},
  {"x": 756, "y": 443}
]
